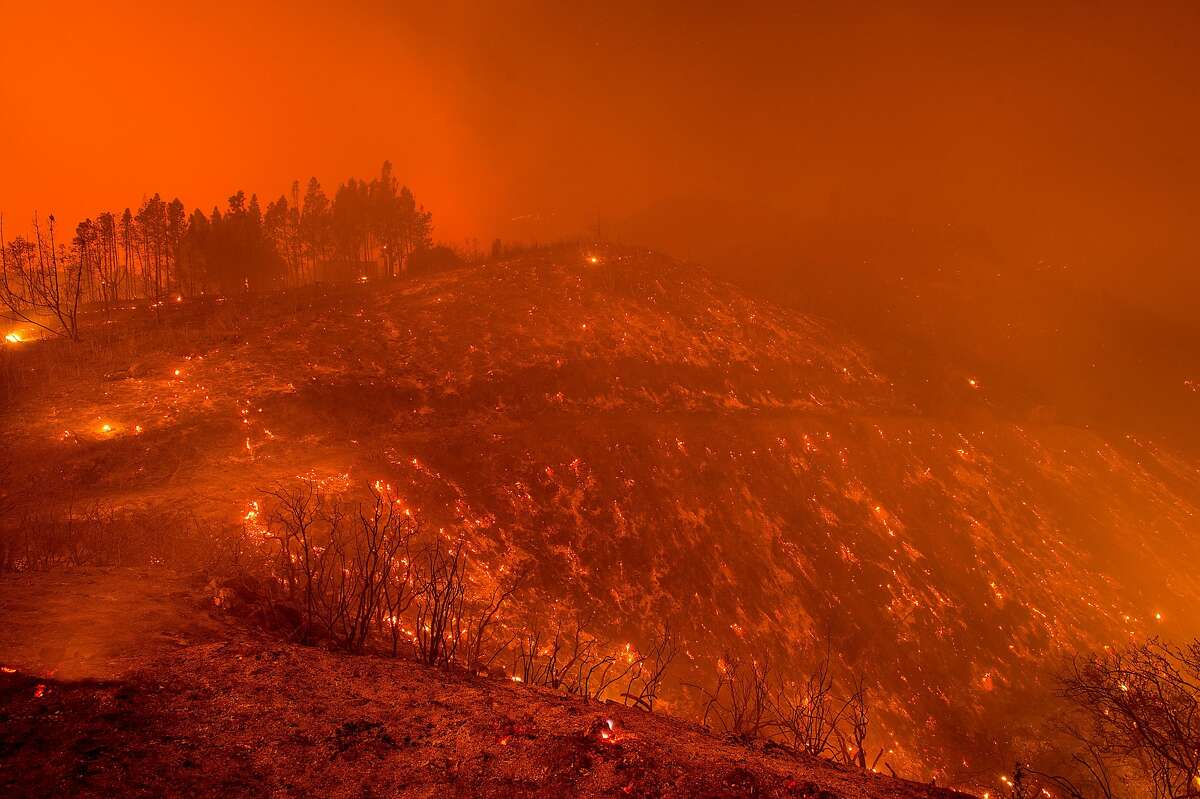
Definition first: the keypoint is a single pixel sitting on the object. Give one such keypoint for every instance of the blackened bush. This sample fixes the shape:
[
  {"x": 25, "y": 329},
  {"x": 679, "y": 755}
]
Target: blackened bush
[
  {"x": 40, "y": 536},
  {"x": 342, "y": 566},
  {"x": 805, "y": 712}
]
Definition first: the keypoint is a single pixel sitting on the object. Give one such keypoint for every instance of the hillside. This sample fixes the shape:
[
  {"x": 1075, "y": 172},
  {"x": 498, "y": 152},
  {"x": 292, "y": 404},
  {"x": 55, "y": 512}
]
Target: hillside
[
  {"x": 179, "y": 704},
  {"x": 661, "y": 447}
]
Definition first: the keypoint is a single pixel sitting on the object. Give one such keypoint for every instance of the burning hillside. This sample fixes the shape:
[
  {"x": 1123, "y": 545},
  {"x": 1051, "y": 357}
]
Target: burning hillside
[{"x": 659, "y": 448}]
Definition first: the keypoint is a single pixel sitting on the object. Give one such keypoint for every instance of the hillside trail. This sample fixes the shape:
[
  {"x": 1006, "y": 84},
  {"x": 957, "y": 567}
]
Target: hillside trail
[{"x": 98, "y": 623}]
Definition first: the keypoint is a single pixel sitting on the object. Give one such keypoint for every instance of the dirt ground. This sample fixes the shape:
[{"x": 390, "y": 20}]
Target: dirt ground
[
  {"x": 120, "y": 682},
  {"x": 97, "y": 623}
]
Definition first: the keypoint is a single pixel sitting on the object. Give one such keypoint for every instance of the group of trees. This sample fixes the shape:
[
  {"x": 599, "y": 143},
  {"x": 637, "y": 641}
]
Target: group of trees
[{"x": 369, "y": 227}]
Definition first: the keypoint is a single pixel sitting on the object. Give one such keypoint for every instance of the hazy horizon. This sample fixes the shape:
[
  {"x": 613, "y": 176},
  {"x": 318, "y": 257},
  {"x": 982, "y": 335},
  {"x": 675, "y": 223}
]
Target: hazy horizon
[{"x": 1062, "y": 135}]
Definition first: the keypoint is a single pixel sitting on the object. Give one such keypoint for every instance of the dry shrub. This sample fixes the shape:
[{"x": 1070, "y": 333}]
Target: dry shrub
[
  {"x": 72, "y": 533},
  {"x": 740, "y": 703},
  {"x": 108, "y": 351},
  {"x": 341, "y": 567},
  {"x": 453, "y": 620},
  {"x": 575, "y": 660},
  {"x": 354, "y": 573},
  {"x": 1134, "y": 718},
  {"x": 808, "y": 713},
  {"x": 360, "y": 574}
]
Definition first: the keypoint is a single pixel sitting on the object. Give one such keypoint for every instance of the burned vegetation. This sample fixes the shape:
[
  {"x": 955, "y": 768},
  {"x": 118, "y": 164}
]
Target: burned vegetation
[{"x": 573, "y": 519}]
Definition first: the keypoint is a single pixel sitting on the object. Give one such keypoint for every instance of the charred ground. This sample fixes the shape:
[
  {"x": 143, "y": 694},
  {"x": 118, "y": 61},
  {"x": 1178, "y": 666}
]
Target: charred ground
[
  {"x": 661, "y": 447},
  {"x": 185, "y": 704}
]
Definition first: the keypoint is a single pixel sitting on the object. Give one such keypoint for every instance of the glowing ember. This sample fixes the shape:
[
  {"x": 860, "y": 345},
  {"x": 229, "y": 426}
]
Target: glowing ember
[
  {"x": 13, "y": 338},
  {"x": 39, "y": 691}
]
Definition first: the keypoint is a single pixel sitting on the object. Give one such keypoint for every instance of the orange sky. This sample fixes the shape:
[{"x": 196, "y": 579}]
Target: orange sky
[{"x": 1069, "y": 133}]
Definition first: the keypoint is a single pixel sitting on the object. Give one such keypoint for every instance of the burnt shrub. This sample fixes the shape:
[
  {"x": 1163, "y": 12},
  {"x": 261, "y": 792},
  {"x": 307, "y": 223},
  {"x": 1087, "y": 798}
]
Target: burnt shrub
[{"x": 70, "y": 533}]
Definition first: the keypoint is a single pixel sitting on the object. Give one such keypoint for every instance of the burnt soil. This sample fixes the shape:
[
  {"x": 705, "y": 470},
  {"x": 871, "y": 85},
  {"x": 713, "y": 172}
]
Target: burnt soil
[{"x": 122, "y": 682}]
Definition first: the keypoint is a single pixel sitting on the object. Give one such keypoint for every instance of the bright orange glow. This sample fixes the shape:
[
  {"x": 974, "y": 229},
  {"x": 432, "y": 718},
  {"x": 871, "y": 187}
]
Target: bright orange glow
[
  {"x": 1115, "y": 137},
  {"x": 817, "y": 228}
]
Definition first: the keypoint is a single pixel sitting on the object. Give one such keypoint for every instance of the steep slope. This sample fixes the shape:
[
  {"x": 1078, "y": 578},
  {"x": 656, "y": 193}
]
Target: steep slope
[{"x": 664, "y": 448}]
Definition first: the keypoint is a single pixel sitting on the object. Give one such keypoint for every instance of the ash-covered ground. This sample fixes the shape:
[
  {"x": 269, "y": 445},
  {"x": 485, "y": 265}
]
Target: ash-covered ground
[
  {"x": 132, "y": 688},
  {"x": 660, "y": 447}
]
